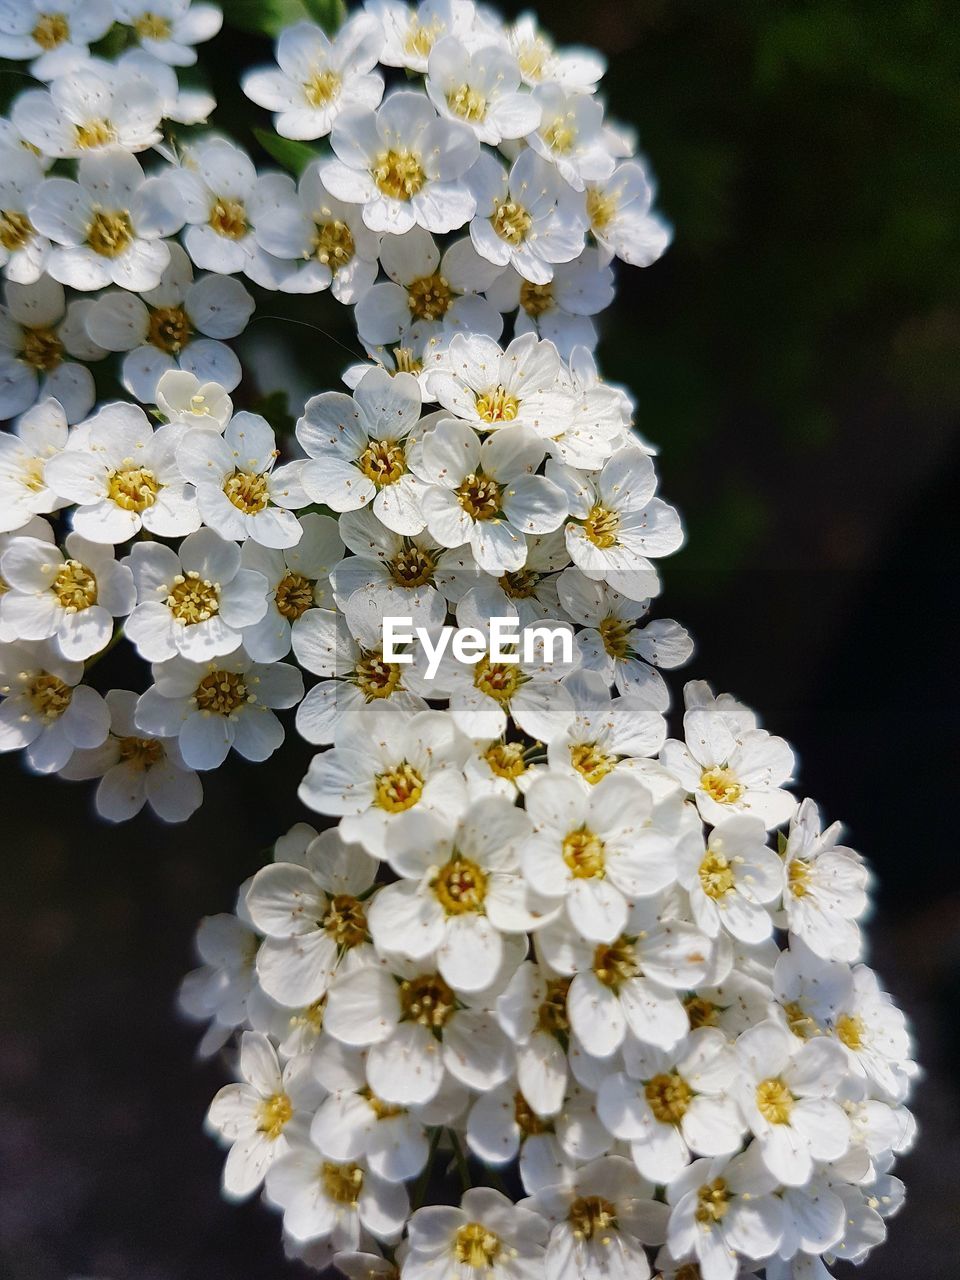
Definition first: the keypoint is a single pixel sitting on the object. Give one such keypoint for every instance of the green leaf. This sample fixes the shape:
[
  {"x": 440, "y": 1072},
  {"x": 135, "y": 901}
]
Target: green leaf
[
  {"x": 294, "y": 156},
  {"x": 263, "y": 17},
  {"x": 330, "y": 14}
]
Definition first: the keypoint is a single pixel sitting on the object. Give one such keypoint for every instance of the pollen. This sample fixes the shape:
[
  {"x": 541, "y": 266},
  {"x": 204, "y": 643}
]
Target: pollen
[
  {"x": 601, "y": 526},
  {"x": 460, "y": 887},
  {"x": 498, "y": 680},
  {"x": 701, "y": 1012},
  {"x": 273, "y": 1115},
  {"x": 342, "y": 1183},
  {"x": 506, "y": 760},
  {"x": 798, "y": 877},
  {"x": 221, "y": 693},
  {"x": 668, "y": 1096},
  {"x": 615, "y": 633},
  {"x": 590, "y": 1215},
  {"x": 333, "y": 244},
  {"x": 75, "y": 586},
  {"x": 248, "y": 491},
  {"x": 583, "y": 852},
  {"x": 321, "y": 88},
  {"x": 802, "y": 1024},
  {"x": 398, "y": 789},
  {"x": 427, "y": 1000},
  {"x": 511, "y": 221},
  {"x": 476, "y": 1246},
  {"x": 601, "y": 209},
  {"x": 716, "y": 875},
  {"x": 429, "y": 297},
  {"x": 713, "y": 1201},
  {"x": 16, "y": 229},
  {"x": 193, "y": 599},
  {"x": 412, "y": 567},
  {"x": 49, "y": 696},
  {"x": 590, "y": 762},
  {"x": 721, "y": 785},
  {"x": 346, "y": 920},
  {"x": 536, "y": 298},
  {"x": 228, "y": 217},
  {"x": 479, "y": 496},
  {"x": 527, "y": 1120},
  {"x": 467, "y": 103},
  {"x": 383, "y": 462},
  {"x": 132, "y": 488},
  {"x": 399, "y": 174},
  {"x": 169, "y": 329},
  {"x": 774, "y": 1100},
  {"x": 42, "y": 349},
  {"x": 552, "y": 1014},
  {"x": 109, "y": 234},
  {"x": 375, "y": 678},
  {"x": 93, "y": 134},
  {"x": 406, "y": 362},
  {"x": 615, "y": 963},
  {"x": 560, "y": 135},
  {"x": 850, "y": 1031},
  {"x": 520, "y": 584},
  {"x": 294, "y": 595},
  {"x": 421, "y": 37},
  {"x": 498, "y": 405},
  {"x": 152, "y": 26},
  {"x": 51, "y": 31},
  {"x": 141, "y": 753}
]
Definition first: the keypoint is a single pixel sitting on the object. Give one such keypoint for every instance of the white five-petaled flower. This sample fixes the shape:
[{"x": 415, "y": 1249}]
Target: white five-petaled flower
[
  {"x": 168, "y": 29},
  {"x": 606, "y": 733},
  {"x": 56, "y": 34},
  {"x": 96, "y": 107},
  {"x": 735, "y": 881},
  {"x": 481, "y": 89},
  {"x": 182, "y": 397},
  {"x": 318, "y": 76},
  {"x": 24, "y": 453},
  {"x": 404, "y": 163},
  {"x": 240, "y": 492},
  {"x": 826, "y": 886},
  {"x": 618, "y": 209},
  {"x": 23, "y": 252},
  {"x": 412, "y": 31},
  {"x": 108, "y": 226},
  {"x": 561, "y": 310},
  {"x": 38, "y": 334},
  {"x": 542, "y": 63},
  {"x": 571, "y": 135},
  {"x": 487, "y": 1235},
  {"x": 45, "y": 708}
]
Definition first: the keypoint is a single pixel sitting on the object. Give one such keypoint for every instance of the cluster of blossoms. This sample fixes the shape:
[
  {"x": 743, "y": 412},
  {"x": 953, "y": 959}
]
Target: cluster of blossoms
[{"x": 614, "y": 973}]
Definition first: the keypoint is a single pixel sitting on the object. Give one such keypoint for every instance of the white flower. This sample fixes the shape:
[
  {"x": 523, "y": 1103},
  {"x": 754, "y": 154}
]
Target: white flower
[
  {"x": 873, "y": 1031},
  {"x": 681, "y": 1104},
  {"x": 108, "y": 226},
  {"x": 575, "y": 69},
  {"x": 486, "y": 1234},
  {"x": 723, "y": 1208},
  {"x": 211, "y": 707},
  {"x": 253, "y": 1116},
  {"x": 182, "y": 398},
  {"x": 219, "y": 989},
  {"x": 168, "y": 29},
  {"x": 181, "y": 104},
  {"x": 411, "y": 31},
  {"x": 298, "y": 579},
  {"x": 24, "y": 453},
  {"x": 357, "y": 446},
  {"x": 438, "y": 293},
  {"x": 481, "y": 89},
  {"x": 460, "y": 889},
  {"x": 487, "y": 494},
  {"x": 23, "y": 253},
  {"x": 73, "y": 598},
  {"x": 826, "y": 884},
  {"x": 560, "y": 310},
  {"x": 529, "y": 593},
  {"x": 529, "y": 219},
  {"x": 37, "y": 332},
  {"x": 571, "y": 135},
  {"x": 34, "y": 527},
  {"x": 785, "y": 1089},
  {"x": 606, "y": 733},
  {"x": 334, "y": 1204},
  {"x": 195, "y": 601},
  {"x": 618, "y": 210},
  {"x": 734, "y": 881},
  {"x": 616, "y": 524},
  {"x": 611, "y": 643},
  {"x": 240, "y": 493},
  {"x": 135, "y": 770},
  {"x": 384, "y": 765},
  {"x": 319, "y": 77},
  {"x": 160, "y": 332},
  {"x": 95, "y": 107},
  {"x": 532, "y": 1011},
  {"x": 404, "y": 164},
  {"x": 124, "y": 477},
  {"x": 728, "y": 772},
  {"x": 597, "y": 848},
  {"x": 45, "y": 708},
  {"x": 56, "y": 36},
  {"x": 321, "y": 242}
]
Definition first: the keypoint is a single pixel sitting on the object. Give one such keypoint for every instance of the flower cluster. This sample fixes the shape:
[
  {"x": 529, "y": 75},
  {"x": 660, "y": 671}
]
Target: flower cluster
[{"x": 615, "y": 975}]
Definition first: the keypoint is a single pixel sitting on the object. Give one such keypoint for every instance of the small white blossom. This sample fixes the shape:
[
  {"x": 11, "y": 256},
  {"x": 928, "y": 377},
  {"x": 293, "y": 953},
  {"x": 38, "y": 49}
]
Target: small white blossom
[
  {"x": 23, "y": 252},
  {"x": 481, "y": 89},
  {"x": 182, "y": 398},
  {"x": 168, "y": 29},
  {"x": 38, "y": 332},
  {"x": 618, "y": 210},
  {"x": 24, "y": 453},
  {"x": 96, "y": 107},
  {"x": 56, "y": 36},
  {"x": 45, "y": 708},
  {"x": 825, "y": 890},
  {"x": 412, "y": 31},
  {"x": 486, "y": 1233}
]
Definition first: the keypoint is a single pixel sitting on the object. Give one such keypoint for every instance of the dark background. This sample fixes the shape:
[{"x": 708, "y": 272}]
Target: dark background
[{"x": 796, "y": 355}]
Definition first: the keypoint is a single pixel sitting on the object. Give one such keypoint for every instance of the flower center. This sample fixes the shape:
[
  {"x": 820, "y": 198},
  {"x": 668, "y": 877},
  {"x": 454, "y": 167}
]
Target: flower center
[
  {"x": 170, "y": 329},
  {"x": 132, "y": 488},
  {"x": 583, "y": 853},
  {"x": 381, "y": 1110},
  {"x": 141, "y": 753},
  {"x": 383, "y": 462},
  {"x": 151, "y": 26},
  {"x": 716, "y": 875},
  {"x": 668, "y": 1096},
  {"x": 533, "y": 58},
  {"x": 333, "y": 244},
  {"x": 376, "y": 678},
  {"x": 427, "y": 1000},
  {"x": 615, "y": 963},
  {"x": 308, "y": 1019},
  {"x": 247, "y": 490},
  {"x": 399, "y": 174},
  {"x": 228, "y": 217},
  {"x": 476, "y": 1246},
  {"x": 520, "y": 584},
  {"x": 479, "y": 496},
  {"x": 193, "y": 599},
  {"x": 615, "y": 634},
  {"x": 528, "y": 1122},
  {"x": 42, "y": 349},
  {"x": 561, "y": 134},
  {"x": 700, "y": 1012},
  {"x": 801, "y": 1023},
  {"x": 75, "y": 586},
  {"x": 429, "y": 297},
  {"x": 49, "y": 695},
  {"x": 498, "y": 680},
  {"x": 721, "y": 785},
  {"x": 467, "y": 103},
  {"x": 406, "y": 362},
  {"x": 713, "y": 1201},
  {"x": 421, "y": 37},
  {"x": 321, "y": 88},
  {"x": 222, "y": 693},
  {"x": 294, "y": 595},
  {"x": 398, "y": 789},
  {"x": 798, "y": 877},
  {"x": 94, "y": 133},
  {"x": 51, "y": 31},
  {"x": 601, "y": 209},
  {"x": 346, "y": 920},
  {"x": 16, "y": 229},
  {"x": 109, "y": 234},
  {"x": 850, "y": 1031},
  {"x": 498, "y": 405},
  {"x": 536, "y": 298},
  {"x": 590, "y": 762},
  {"x": 511, "y": 221},
  {"x": 552, "y": 1014},
  {"x": 342, "y": 1183},
  {"x": 774, "y": 1100},
  {"x": 589, "y": 1215},
  {"x": 601, "y": 526},
  {"x": 273, "y": 1115},
  {"x": 460, "y": 886},
  {"x": 506, "y": 759},
  {"x": 412, "y": 567}
]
